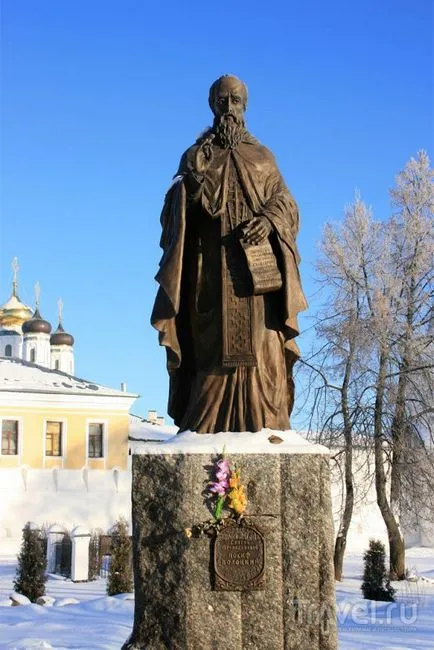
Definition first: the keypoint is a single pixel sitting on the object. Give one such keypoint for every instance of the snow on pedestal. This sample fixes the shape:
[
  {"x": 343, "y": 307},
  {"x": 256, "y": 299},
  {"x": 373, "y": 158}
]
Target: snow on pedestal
[
  {"x": 266, "y": 441},
  {"x": 80, "y": 554}
]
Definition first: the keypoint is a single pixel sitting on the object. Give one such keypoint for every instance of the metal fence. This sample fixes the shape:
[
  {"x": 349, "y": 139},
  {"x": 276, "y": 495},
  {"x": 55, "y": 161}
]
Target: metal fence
[{"x": 63, "y": 554}]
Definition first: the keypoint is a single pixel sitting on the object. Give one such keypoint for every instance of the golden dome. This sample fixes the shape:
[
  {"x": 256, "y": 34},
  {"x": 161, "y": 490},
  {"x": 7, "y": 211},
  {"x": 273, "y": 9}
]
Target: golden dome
[{"x": 14, "y": 312}]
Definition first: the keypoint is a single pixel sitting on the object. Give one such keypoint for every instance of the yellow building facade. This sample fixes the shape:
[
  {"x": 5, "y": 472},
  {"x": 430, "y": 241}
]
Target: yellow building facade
[
  {"x": 65, "y": 434},
  {"x": 48, "y": 417},
  {"x": 64, "y": 452}
]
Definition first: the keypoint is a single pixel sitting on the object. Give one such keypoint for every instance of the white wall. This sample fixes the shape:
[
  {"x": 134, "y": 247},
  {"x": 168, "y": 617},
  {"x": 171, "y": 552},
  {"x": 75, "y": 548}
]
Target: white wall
[
  {"x": 40, "y": 343},
  {"x": 367, "y": 522},
  {"x": 13, "y": 340},
  {"x": 71, "y": 498},
  {"x": 64, "y": 355},
  {"x": 97, "y": 498}
]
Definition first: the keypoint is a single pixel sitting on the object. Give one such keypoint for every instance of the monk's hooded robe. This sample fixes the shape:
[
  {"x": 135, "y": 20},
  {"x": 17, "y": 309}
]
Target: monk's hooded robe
[{"x": 229, "y": 353}]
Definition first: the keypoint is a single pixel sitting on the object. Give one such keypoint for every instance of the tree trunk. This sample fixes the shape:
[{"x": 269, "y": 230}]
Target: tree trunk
[
  {"x": 397, "y": 556},
  {"x": 341, "y": 539},
  {"x": 398, "y": 440},
  {"x": 399, "y": 418},
  {"x": 398, "y": 430},
  {"x": 338, "y": 558},
  {"x": 396, "y": 542}
]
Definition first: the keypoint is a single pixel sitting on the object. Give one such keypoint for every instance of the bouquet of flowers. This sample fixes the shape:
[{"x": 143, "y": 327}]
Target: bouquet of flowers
[{"x": 228, "y": 489}]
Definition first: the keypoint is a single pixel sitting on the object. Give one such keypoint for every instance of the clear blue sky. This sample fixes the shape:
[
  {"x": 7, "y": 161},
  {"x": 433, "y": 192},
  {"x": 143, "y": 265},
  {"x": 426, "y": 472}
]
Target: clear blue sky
[{"x": 101, "y": 97}]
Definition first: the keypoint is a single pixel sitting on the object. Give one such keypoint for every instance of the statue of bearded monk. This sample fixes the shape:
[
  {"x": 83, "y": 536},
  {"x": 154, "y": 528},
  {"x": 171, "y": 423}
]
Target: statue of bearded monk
[{"x": 229, "y": 287}]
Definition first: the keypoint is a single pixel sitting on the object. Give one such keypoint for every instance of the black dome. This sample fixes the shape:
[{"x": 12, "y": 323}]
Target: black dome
[
  {"x": 60, "y": 337},
  {"x": 36, "y": 325}
]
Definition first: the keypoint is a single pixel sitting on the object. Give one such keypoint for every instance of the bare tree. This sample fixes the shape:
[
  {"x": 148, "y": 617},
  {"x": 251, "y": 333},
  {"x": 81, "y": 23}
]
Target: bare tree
[
  {"x": 400, "y": 301},
  {"x": 336, "y": 369},
  {"x": 376, "y": 348},
  {"x": 412, "y": 255}
]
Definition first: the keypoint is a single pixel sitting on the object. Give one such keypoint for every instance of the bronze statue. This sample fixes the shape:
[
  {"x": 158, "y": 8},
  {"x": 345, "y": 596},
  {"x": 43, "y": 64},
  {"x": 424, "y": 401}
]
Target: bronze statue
[{"x": 229, "y": 294}]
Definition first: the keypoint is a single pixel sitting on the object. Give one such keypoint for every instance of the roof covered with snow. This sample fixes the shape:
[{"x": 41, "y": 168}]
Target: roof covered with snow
[
  {"x": 17, "y": 375},
  {"x": 141, "y": 430}
]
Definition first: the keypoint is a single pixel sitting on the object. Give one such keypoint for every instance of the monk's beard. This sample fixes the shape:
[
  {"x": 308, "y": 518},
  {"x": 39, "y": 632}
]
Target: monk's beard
[{"x": 229, "y": 130}]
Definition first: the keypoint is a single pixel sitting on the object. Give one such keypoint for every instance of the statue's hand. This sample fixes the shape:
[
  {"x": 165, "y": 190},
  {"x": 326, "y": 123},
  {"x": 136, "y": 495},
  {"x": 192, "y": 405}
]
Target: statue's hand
[
  {"x": 203, "y": 156},
  {"x": 257, "y": 230}
]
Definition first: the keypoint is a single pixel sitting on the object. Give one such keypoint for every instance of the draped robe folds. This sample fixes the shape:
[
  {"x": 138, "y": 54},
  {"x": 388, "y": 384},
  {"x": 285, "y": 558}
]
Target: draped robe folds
[{"x": 229, "y": 353}]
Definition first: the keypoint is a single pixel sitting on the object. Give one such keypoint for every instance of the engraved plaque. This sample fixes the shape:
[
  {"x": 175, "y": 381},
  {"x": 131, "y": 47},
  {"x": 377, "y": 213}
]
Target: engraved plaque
[
  {"x": 239, "y": 558},
  {"x": 262, "y": 264}
]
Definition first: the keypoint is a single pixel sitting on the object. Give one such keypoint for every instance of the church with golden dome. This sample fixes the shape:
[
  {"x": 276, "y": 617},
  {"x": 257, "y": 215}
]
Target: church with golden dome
[
  {"x": 24, "y": 334},
  {"x": 64, "y": 453}
]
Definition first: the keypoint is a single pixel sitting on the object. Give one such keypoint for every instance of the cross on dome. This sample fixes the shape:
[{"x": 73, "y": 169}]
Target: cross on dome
[
  {"x": 15, "y": 268},
  {"x": 37, "y": 295}
]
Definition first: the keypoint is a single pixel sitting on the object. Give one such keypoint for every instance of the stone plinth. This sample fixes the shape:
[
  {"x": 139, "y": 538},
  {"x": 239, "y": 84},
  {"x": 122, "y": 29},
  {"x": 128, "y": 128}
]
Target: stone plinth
[
  {"x": 80, "y": 554},
  {"x": 288, "y": 500}
]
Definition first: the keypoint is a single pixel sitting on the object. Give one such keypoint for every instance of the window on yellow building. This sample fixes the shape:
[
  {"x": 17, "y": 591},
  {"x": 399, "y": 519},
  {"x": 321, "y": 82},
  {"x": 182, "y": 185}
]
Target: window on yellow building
[
  {"x": 53, "y": 439},
  {"x": 96, "y": 436},
  {"x": 10, "y": 437}
]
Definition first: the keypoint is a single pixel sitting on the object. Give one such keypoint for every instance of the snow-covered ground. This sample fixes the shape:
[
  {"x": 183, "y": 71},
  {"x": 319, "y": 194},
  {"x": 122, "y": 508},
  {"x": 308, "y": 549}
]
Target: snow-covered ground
[
  {"x": 407, "y": 624},
  {"x": 102, "y": 623}
]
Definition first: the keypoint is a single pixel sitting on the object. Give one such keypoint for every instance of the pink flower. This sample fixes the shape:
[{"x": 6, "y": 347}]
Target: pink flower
[
  {"x": 223, "y": 466},
  {"x": 219, "y": 488},
  {"x": 222, "y": 477}
]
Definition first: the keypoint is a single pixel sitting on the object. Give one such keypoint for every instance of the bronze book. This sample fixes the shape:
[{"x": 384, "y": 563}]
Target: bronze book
[{"x": 263, "y": 267}]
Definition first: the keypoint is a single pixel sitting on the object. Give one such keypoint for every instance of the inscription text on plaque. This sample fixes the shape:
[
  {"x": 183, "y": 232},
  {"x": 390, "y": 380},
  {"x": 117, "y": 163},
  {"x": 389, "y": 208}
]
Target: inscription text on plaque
[{"x": 239, "y": 558}]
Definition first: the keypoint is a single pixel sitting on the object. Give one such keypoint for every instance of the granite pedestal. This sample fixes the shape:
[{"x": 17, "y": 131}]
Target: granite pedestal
[{"x": 288, "y": 489}]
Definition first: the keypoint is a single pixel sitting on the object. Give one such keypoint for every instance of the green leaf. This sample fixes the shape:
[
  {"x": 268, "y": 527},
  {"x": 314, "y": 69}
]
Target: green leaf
[{"x": 219, "y": 507}]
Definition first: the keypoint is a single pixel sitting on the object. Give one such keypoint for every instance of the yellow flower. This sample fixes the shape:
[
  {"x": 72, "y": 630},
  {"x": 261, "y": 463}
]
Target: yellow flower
[
  {"x": 237, "y": 499},
  {"x": 235, "y": 479},
  {"x": 187, "y": 532}
]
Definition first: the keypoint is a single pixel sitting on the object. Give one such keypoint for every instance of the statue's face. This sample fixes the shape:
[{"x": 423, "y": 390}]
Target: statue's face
[{"x": 229, "y": 98}]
